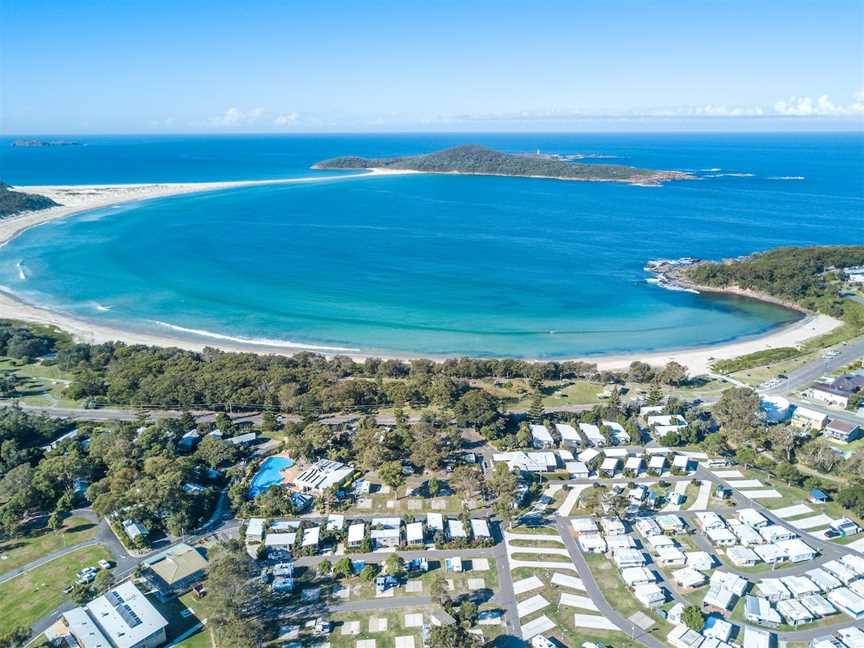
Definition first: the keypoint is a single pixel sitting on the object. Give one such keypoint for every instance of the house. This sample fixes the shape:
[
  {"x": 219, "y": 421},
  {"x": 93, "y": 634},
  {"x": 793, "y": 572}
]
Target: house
[
  {"x": 759, "y": 610},
  {"x": 742, "y": 556},
  {"x": 808, "y": 419},
  {"x": 649, "y": 595},
  {"x": 851, "y": 637},
  {"x": 647, "y": 526},
  {"x": 188, "y": 441},
  {"x": 480, "y": 529},
  {"x": 734, "y": 583},
  {"x": 817, "y": 496},
  {"x": 671, "y": 557},
  {"x": 701, "y": 560},
  {"x": 387, "y": 537},
  {"x": 619, "y": 542},
  {"x": 583, "y": 525},
  {"x": 610, "y": 466},
  {"x": 414, "y": 533},
  {"x": 776, "y": 533},
  {"x": 175, "y": 570},
  {"x": 658, "y": 541},
  {"x": 799, "y": 586},
  {"x": 721, "y": 537},
  {"x": 134, "y": 530},
  {"x": 633, "y": 466},
  {"x": 322, "y": 475},
  {"x": 628, "y": 558},
  {"x": 823, "y": 580},
  {"x": 592, "y": 543},
  {"x": 577, "y": 470},
  {"x": 613, "y": 526},
  {"x": 656, "y": 464},
  {"x": 842, "y": 430},
  {"x": 840, "y": 571},
  {"x": 722, "y": 492},
  {"x": 746, "y": 534},
  {"x": 847, "y": 602},
  {"x": 719, "y": 629},
  {"x": 121, "y": 618},
  {"x": 689, "y": 578},
  {"x": 770, "y": 553},
  {"x": 311, "y": 537},
  {"x": 674, "y": 421},
  {"x": 709, "y": 520},
  {"x": 528, "y": 461},
  {"x": 617, "y": 433},
  {"x": 683, "y": 637},
  {"x": 818, "y": 605},
  {"x": 282, "y": 584},
  {"x": 570, "y": 438},
  {"x": 335, "y": 522},
  {"x": 796, "y": 550},
  {"x": 541, "y": 438},
  {"x": 356, "y": 535},
  {"x": 633, "y": 576},
  {"x": 255, "y": 530},
  {"x": 593, "y": 435},
  {"x": 773, "y": 589},
  {"x": 242, "y": 439},
  {"x": 756, "y": 638},
  {"x": 752, "y": 517},
  {"x": 845, "y": 527},
  {"x": 566, "y": 455},
  {"x": 588, "y": 455},
  {"x": 854, "y": 562},
  {"x": 829, "y": 394},
  {"x": 719, "y": 597},
  {"x": 681, "y": 463},
  {"x": 456, "y": 530},
  {"x": 673, "y": 615},
  {"x": 671, "y": 524}
]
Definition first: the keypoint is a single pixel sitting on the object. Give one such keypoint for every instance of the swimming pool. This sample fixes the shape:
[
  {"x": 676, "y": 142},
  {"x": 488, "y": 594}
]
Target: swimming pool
[{"x": 269, "y": 474}]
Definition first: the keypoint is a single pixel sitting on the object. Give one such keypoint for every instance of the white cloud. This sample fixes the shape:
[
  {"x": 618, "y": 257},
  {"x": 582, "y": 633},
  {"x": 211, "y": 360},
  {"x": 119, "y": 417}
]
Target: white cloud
[
  {"x": 287, "y": 119},
  {"x": 819, "y": 107},
  {"x": 237, "y": 117}
]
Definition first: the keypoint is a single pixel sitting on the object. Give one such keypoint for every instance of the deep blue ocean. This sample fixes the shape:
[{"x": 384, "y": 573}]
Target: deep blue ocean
[{"x": 428, "y": 264}]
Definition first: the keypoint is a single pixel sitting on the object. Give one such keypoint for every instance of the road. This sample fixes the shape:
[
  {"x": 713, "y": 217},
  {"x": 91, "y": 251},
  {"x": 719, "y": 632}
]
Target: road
[{"x": 806, "y": 374}]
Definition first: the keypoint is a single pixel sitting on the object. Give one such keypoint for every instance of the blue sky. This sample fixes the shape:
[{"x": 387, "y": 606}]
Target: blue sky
[{"x": 76, "y": 66}]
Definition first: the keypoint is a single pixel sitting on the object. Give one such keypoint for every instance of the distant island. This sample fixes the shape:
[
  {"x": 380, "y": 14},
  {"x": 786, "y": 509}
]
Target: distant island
[
  {"x": 15, "y": 202},
  {"x": 473, "y": 159},
  {"x": 43, "y": 143}
]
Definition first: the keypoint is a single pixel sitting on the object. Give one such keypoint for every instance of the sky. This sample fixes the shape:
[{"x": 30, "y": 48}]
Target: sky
[{"x": 214, "y": 66}]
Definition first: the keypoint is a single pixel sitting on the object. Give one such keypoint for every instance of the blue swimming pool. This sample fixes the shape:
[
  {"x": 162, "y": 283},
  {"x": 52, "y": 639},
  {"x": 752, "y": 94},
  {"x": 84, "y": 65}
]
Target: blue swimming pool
[{"x": 269, "y": 474}]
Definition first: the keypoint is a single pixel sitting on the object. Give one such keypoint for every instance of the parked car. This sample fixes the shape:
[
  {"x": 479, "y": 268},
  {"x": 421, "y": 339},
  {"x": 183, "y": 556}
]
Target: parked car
[{"x": 105, "y": 564}]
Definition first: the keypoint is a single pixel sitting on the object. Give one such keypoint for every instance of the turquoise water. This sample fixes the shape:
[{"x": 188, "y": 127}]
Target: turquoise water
[
  {"x": 269, "y": 474},
  {"x": 430, "y": 264}
]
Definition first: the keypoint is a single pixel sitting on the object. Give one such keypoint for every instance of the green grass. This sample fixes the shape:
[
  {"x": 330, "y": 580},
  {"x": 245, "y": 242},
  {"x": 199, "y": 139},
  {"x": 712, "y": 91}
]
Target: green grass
[
  {"x": 395, "y": 627},
  {"x": 42, "y": 385},
  {"x": 28, "y": 597},
  {"x": 756, "y": 359},
  {"x": 540, "y": 557},
  {"x": 20, "y": 550}
]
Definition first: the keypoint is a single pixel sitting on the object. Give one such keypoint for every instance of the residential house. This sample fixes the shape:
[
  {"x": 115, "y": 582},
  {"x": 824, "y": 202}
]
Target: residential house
[
  {"x": 593, "y": 435},
  {"x": 577, "y": 470},
  {"x": 628, "y": 558},
  {"x": 683, "y": 637},
  {"x": 633, "y": 466},
  {"x": 610, "y": 466},
  {"x": 845, "y": 527},
  {"x": 770, "y": 553},
  {"x": 541, "y": 438},
  {"x": 819, "y": 606},
  {"x": 671, "y": 557},
  {"x": 796, "y": 550},
  {"x": 689, "y": 578},
  {"x": 817, "y": 496},
  {"x": 671, "y": 524},
  {"x": 650, "y": 595},
  {"x": 701, "y": 560},
  {"x": 613, "y": 526},
  {"x": 843, "y": 431},
  {"x": 758, "y": 610},
  {"x": 742, "y": 556},
  {"x": 480, "y": 530},
  {"x": 634, "y": 576},
  {"x": 808, "y": 419},
  {"x": 823, "y": 580},
  {"x": 592, "y": 543},
  {"x": 175, "y": 570},
  {"x": 617, "y": 433},
  {"x": 829, "y": 394},
  {"x": 794, "y": 612},
  {"x": 776, "y": 533},
  {"x": 773, "y": 589},
  {"x": 356, "y": 535},
  {"x": 656, "y": 464},
  {"x": 752, "y": 517},
  {"x": 570, "y": 437},
  {"x": 414, "y": 534},
  {"x": 721, "y": 537},
  {"x": 847, "y": 602}
]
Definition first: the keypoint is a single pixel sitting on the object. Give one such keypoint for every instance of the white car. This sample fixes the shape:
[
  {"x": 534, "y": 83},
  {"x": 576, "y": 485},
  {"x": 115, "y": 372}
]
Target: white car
[{"x": 104, "y": 564}]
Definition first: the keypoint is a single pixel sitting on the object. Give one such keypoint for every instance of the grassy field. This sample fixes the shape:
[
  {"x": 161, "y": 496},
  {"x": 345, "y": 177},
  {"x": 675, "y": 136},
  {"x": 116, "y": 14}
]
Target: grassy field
[
  {"x": 28, "y": 597},
  {"x": 395, "y": 627},
  {"x": 20, "y": 550},
  {"x": 41, "y": 385}
]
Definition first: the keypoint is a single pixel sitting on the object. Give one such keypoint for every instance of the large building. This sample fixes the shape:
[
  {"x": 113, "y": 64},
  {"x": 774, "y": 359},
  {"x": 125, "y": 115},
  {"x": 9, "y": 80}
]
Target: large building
[
  {"x": 175, "y": 570},
  {"x": 322, "y": 475},
  {"x": 121, "y": 618}
]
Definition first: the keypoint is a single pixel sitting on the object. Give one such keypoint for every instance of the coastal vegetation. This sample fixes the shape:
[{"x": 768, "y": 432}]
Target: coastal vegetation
[
  {"x": 14, "y": 202},
  {"x": 479, "y": 160}
]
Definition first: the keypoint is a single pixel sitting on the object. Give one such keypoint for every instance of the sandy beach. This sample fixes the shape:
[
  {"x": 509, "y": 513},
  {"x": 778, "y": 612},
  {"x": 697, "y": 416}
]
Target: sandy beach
[{"x": 78, "y": 198}]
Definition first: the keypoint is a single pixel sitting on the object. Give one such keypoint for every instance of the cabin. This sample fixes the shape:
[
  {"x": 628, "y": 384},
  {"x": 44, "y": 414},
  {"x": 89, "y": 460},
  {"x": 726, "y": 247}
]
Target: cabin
[
  {"x": 656, "y": 464},
  {"x": 541, "y": 438},
  {"x": 577, "y": 470},
  {"x": 356, "y": 535},
  {"x": 570, "y": 438},
  {"x": 817, "y": 496},
  {"x": 593, "y": 435},
  {"x": 758, "y": 610},
  {"x": 742, "y": 556}
]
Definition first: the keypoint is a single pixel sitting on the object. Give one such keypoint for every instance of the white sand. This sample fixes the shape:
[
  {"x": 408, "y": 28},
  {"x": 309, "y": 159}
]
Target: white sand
[{"x": 79, "y": 198}]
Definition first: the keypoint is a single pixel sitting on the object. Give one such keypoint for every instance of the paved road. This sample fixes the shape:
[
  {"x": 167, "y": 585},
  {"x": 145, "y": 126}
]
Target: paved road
[
  {"x": 596, "y": 594},
  {"x": 803, "y": 376}
]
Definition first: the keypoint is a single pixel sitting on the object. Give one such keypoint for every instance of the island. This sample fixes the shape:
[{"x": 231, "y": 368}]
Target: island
[
  {"x": 473, "y": 159},
  {"x": 16, "y": 202}
]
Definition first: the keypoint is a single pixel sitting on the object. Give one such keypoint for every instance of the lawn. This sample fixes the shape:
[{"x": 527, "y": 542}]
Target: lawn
[
  {"x": 41, "y": 384},
  {"x": 28, "y": 597},
  {"x": 23, "y": 549},
  {"x": 395, "y": 627}
]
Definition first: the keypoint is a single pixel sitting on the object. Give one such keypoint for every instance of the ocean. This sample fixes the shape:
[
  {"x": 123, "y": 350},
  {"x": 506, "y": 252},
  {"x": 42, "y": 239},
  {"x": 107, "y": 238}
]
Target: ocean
[{"x": 423, "y": 264}]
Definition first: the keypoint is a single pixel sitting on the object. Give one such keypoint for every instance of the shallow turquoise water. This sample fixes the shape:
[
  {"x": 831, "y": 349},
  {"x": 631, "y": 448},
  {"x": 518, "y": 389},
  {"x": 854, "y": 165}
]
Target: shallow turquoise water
[{"x": 442, "y": 264}]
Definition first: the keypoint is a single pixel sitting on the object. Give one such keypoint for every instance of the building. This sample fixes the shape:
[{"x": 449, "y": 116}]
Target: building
[
  {"x": 823, "y": 580},
  {"x": 120, "y": 618},
  {"x": 681, "y": 463},
  {"x": 730, "y": 581},
  {"x": 818, "y": 605},
  {"x": 701, "y": 560},
  {"x": 569, "y": 436},
  {"x": 322, "y": 475},
  {"x": 656, "y": 464},
  {"x": 311, "y": 538},
  {"x": 592, "y": 543},
  {"x": 752, "y": 517},
  {"x": 845, "y": 527},
  {"x": 617, "y": 433},
  {"x": 671, "y": 524},
  {"x": 583, "y": 525},
  {"x": 747, "y": 535},
  {"x": 721, "y": 537},
  {"x": 541, "y": 438},
  {"x": 719, "y": 597},
  {"x": 669, "y": 556},
  {"x": 647, "y": 526},
  {"x": 255, "y": 530},
  {"x": 689, "y": 577},
  {"x": 756, "y": 638},
  {"x": 776, "y": 533},
  {"x": 742, "y": 556},
  {"x": 610, "y": 466},
  {"x": 799, "y": 586},
  {"x": 628, "y": 558},
  {"x": 842, "y": 430},
  {"x": 770, "y": 553},
  {"x": 847, "y": 602},
  {"x": 773, "y": 589},
  {"x": 633, "y": 576},
  {"x": 414, "y": 533},
  {"x": 480, "y": 529},
  {"x": 613, "y": 526},
  {"x": 808, "y": 419},
  {"x": 356, "y": 535},
  {"x": 709, "y": 520},
  {"x": 683, "y": 637},
  {"x": 577, "y": 470},
  {"x": 649, "y": 595},
  {"x": 796, "y": 550},
  {"x": 456, "y": 530},
  {"x": 840, "y": 570},
  {"x": 817, "y": 496},
  {"x": 759, "y": 610},
  {"x": 593, "y": 435},
  {"x": 633, "y": 466},
  {"x": 134, "y": 530},
  {"x": 175, "y": 570}
]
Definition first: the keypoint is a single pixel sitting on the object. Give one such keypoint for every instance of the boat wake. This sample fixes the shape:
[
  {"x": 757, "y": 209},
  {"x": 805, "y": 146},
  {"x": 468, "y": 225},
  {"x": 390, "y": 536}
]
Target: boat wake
[
  {"x": 252, "y": 341},
  {"x": 786, "y": 178},
  {"x": 22, "y": 275},
  {"x": 101, "y": 308}
]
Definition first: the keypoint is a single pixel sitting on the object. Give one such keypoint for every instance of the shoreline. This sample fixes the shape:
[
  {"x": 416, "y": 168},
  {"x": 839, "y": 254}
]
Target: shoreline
[{"x": 81, "y": 198}]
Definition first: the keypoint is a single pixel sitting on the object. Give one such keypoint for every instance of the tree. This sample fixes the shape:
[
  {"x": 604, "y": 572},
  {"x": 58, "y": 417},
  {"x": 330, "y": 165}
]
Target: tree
[
  {"x": 523, "y": 435},
  {"x": 439, "y": 591},
  {"x": 392, "y": 475},
  {"x": 369, "y": 572},
  {"x": 433, "y": 486},
  {"x": 343, "y": 568},
  {"x": 476, "y": 408},
  {"x": 103, "y": 582},
  {"x": 15, "y": 637},
  {"x": 324, "y": 568},
  {"x": 215, "y": 452},
  {"x": 55, "y": 520},
  {"x": 673, "y": 374},
  {"x": 737, "y": 410},
  {"x": 394, "y": 565},
  {"x": 464, "y": 482},
  {"x": 452, "y": 636},
  {"x": 535, "y": 409},
  {"x": 693, "y": 618},
  {"x": 640, "y": 372},
  {"x": 655, "y": 394},
  {"x": 467, "y": 612}
]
